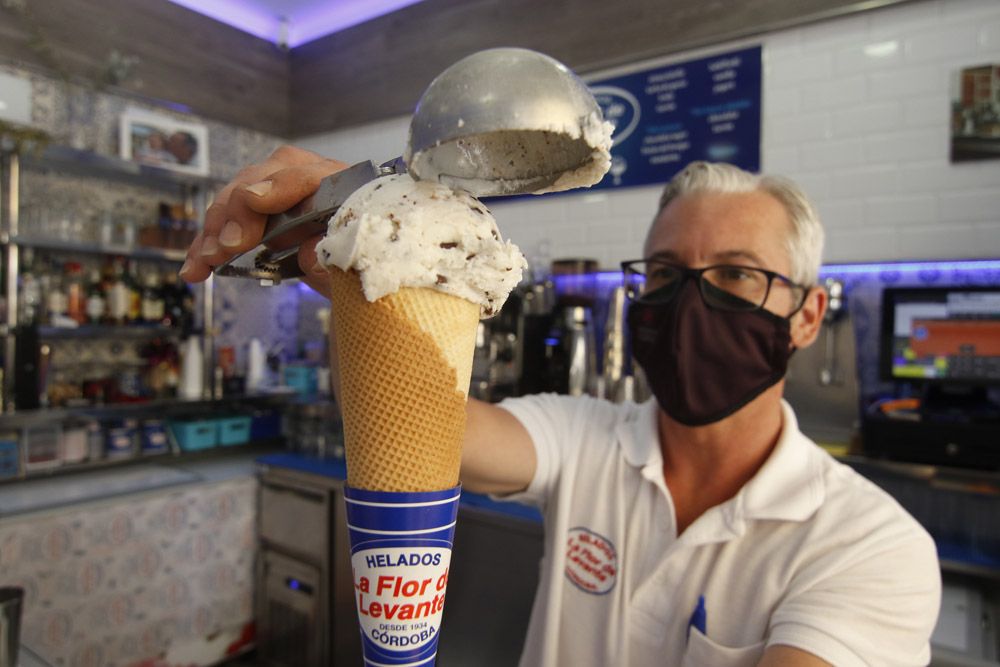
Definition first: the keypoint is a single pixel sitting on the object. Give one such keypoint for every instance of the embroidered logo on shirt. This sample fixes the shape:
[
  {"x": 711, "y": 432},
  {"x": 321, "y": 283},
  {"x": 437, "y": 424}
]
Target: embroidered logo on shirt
[{"x": 591, "y": 561}]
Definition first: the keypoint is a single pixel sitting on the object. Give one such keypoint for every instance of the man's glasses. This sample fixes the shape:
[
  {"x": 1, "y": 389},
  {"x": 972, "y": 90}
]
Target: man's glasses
[{"x": 723, "y": 286}]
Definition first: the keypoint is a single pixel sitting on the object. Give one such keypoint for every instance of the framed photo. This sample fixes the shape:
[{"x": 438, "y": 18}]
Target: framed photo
[
  {"x": 975, "y": 113},
  {"x": 158, "y": 140}
]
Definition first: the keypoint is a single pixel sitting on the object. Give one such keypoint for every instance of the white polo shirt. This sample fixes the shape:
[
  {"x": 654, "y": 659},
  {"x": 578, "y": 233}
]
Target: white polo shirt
[{"x": 808, "y": 553}]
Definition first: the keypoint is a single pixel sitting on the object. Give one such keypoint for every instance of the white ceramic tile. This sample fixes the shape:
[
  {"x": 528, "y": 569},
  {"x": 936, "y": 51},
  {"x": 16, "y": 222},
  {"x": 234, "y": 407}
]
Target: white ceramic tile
[
  {"x": 800, "y": 68},
  {"x": 989, "y": 37},
  {"x": 987, "y": 240},
  {"x": 961, "y": 10},
  {"x": 831, "y": 154},
  {"x": 860, "y": 245},
  {"x": 941, "y": 41},
  {"x": 953, "y": 241},
  {"x": 834, "y": 93},
  {"x": 910, "y": 81},
  {"x": 941, "y": 176},
  {"x": 903, "y": 19},
  {"x": 868, "y": 55},
  {"x": 637, "y": 201},
  {"x": 901, "y": 210},
  {"x": 976, "y": 205},
  {"x": 585, "y": 207},
  {"x": 779, "y": 160},
  {"x": 841, "y": 213},
  {"x": 815, "y": 185},
  {"x": 900, "y": 147},
  {"x": 779, "y": 102},
  {"x": 786, "y": 130},
  {"x": 829, "y": 35},
  {"x": 932, "y": 111},
  {"x": 864, "y": 181},
  {"x": 866, "y": 119},
  {"x": 600, "y": 233}
]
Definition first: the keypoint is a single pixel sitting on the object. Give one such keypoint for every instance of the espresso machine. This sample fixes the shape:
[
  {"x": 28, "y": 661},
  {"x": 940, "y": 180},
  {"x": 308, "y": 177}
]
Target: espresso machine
[{"x": 571, "y": 335}]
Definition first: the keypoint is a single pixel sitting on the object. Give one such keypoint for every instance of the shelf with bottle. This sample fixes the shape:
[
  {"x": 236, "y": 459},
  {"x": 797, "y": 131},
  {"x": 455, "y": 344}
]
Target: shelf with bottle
[
  {"x": 70, "y": 297},
  {"x": 175, "y": 255},
  {"x": 277, "y": 397},
  {"x": 88, "y": 163},
  {"x": 66, "y": 219},
  {"x": 44, "y": 444}
]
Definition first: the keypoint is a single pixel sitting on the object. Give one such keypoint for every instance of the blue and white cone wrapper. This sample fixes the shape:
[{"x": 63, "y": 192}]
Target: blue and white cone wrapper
[{"x": 400, "y": 555}]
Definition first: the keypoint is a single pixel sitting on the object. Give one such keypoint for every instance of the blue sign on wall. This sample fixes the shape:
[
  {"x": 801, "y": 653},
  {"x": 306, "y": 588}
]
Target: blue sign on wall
[{"x": 705, "y": 109}]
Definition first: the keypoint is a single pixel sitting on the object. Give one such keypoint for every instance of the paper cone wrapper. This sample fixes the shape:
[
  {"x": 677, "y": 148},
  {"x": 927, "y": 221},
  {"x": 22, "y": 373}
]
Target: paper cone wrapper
[
  {"x": 400, "y": 555},
  {"x": 405, "y": 363}
]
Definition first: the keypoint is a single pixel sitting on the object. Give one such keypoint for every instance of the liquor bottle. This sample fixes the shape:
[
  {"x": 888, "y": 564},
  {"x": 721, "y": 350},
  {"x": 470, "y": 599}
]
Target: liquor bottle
[
  {"x": 178, "y": 302},
  {"x": 75, "y": 298},
  {"x": 119, "y": 296},
  {"x": 171, "y": 305},
  {"x": 96, "y": 303},
  {"x": 152, "y": 299},
  {"x": 131, "y": 280},
  {"x": 30, "y": 306},
  {"x": 56, "y": 303}
]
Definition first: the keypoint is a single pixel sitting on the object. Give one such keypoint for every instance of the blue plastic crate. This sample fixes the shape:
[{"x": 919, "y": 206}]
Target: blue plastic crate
[
  {"x": 301, "y": 378},
  {"x": 194, "y": 434},
  {"x": 234, "y": 430}
]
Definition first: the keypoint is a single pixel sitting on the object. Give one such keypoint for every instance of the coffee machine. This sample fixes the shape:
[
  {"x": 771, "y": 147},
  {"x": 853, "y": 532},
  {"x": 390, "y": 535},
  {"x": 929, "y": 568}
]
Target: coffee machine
[{"x": 571, "y": 335}]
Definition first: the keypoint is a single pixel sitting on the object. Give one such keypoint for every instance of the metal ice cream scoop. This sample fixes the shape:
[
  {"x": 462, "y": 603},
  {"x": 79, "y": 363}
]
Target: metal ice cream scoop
[{"x": 494, "y": 123}]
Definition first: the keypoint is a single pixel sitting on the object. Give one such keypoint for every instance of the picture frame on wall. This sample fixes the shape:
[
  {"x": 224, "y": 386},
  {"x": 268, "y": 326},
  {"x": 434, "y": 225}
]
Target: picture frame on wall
[
  {"x": 159, "y": 140},
  {"x": 975, "y": 113}
]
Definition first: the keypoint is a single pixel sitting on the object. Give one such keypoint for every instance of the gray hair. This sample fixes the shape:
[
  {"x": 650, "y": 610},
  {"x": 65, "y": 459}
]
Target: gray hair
[{"x": 804, "y": 243}]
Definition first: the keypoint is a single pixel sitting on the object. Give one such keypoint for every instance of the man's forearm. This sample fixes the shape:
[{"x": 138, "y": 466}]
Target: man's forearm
[{"x": 498, "y": 455}]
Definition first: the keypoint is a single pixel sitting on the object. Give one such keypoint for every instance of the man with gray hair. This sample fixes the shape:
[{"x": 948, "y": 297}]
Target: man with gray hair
[{"x": 702, "y": 527}]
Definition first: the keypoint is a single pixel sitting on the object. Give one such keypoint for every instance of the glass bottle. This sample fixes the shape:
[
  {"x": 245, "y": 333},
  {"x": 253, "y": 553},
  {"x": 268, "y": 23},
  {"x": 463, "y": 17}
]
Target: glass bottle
[
  {"x": 95, "y": 304},
  {"x": 171, "y": 301},
  {"x": 131, "y": 279},
  {"x": 75, "y": 299},
  {"x": 152, "y": 299},
  {"x": 56, "y": 303},
  {"x": 29, "y": 308},
  {"x": 119, "y": 296}
]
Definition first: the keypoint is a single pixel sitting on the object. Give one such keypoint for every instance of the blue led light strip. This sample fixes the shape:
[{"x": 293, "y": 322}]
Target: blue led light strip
[
  {"x": 907, "y": 267},
  {"x": 601, "y": 279}
]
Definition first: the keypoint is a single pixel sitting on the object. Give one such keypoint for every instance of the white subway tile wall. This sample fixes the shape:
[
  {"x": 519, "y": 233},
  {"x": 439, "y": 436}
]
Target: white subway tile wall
[{"x": 856, "y": 110}]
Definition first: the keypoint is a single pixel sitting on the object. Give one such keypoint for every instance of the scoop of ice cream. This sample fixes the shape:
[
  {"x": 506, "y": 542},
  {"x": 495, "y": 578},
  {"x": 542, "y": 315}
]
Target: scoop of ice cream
[
  {"x": 397, "y": 232},
  {"x": 538, "y": 159}
]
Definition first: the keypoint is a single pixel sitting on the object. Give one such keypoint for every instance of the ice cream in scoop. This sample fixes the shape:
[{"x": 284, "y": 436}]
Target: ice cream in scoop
[{"x": 397, "y": 232}]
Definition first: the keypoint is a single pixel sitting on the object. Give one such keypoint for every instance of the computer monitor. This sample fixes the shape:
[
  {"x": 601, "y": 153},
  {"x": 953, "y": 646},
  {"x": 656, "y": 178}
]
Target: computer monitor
[{"x": 941, "y": 335}]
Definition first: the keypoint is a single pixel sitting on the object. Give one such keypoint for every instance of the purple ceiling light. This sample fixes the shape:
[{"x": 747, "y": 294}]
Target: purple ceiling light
[{"x": 295, "y": 22}]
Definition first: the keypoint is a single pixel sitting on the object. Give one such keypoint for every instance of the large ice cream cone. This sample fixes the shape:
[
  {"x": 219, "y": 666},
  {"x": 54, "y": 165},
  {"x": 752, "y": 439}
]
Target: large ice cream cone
[{"x": 405, "y": 364}]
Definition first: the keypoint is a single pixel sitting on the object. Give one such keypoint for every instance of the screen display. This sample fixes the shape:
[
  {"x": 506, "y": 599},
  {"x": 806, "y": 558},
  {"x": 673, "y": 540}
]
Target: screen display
[{"x": 941, "y": 334}]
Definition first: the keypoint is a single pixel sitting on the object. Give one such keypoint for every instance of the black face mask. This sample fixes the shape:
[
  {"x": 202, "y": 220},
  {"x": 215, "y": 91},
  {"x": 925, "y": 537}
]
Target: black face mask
[{"x": 703, "y": 364}]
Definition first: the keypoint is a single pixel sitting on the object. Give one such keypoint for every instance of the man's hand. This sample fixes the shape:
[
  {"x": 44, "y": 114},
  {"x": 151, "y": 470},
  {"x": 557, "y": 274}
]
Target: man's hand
[{"x": 234, "y": 223}]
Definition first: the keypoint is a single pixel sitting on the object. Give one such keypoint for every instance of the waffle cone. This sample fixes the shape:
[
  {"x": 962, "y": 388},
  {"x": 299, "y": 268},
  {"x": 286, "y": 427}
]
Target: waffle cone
[{"x": 405, "y": 364}]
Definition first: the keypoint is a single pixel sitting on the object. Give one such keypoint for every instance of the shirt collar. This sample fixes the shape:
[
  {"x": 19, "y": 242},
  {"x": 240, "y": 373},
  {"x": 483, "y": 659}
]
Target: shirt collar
[
  {"x": 789, "y": 486},
  {"x": 638, "y": 435}
]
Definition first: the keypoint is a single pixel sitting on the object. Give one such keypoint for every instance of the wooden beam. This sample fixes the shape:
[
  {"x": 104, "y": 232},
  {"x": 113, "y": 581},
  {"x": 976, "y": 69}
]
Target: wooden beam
[
  {"x": 184, "y": 58},
  {"x": 379, "y": 69}
]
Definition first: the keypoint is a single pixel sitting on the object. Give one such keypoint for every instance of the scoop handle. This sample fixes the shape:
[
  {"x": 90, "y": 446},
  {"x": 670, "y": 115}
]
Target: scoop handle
[{"x": 275, "y": 258}]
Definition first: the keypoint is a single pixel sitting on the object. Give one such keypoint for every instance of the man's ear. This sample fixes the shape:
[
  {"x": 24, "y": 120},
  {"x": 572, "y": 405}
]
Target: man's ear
[{"x": 807, "y": 322}]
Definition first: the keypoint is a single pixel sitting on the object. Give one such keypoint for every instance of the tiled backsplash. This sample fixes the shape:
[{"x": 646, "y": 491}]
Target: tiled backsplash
[
  {"x": 856, "y": 109},
  {"x": 166, "y": 578}
]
